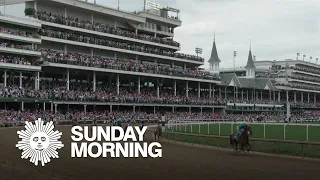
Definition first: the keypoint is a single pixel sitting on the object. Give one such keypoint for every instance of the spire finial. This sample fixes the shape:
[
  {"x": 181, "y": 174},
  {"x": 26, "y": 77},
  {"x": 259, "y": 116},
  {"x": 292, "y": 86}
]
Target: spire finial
[
  {"x": 214, "y": 34},
  {"x": 250, "y": 45}
]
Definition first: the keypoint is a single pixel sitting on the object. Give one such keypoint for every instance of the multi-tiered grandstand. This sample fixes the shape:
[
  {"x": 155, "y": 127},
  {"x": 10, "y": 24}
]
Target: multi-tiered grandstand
[{"x": 76, "y": 59}]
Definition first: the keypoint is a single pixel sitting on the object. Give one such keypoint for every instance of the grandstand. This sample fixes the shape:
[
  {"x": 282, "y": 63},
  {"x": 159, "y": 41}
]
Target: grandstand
[{"x": 76, "y": 59}]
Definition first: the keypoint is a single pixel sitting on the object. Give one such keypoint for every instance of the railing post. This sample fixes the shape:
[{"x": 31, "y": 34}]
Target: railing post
[
  {"x": 232, "y": 127},
  {"x": 284, "y": 132},
  {"x": 199, "y": 129},
  {"x": 307, "y": 133},
  {"x": 219, "y": 130},
  {"x": 191, "y": 127},
  {"x": 264, "y": 130},
  {"x": 208, "y": 128},
  {"x": 185, "y": 127}
]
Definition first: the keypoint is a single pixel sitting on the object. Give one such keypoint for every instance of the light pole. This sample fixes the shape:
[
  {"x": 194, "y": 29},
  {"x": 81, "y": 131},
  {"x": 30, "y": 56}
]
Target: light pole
[
  {"x": 287, "y": 93},
  {"x": 198, "y": 51},
  {"x": 234, "y": 71},
  {"x": 118, "y": 4},
  {"x": 310, "y": 59}
]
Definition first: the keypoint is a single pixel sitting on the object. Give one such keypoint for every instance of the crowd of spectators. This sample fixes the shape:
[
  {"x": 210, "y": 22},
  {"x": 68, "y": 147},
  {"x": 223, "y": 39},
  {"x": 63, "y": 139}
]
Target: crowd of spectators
[
  {"x": 16, "y": 32},
  {"x": 100, "y": 27},
  {"x": 72, "y": 36},
  {"x": 121, "y": 64},
  {"x": 14, "y": 60},
  {"x": 16, "y": 46}
]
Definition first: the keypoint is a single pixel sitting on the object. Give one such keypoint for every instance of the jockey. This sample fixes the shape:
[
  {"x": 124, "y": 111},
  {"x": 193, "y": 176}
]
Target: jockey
[{"x": 240, "y": 129}]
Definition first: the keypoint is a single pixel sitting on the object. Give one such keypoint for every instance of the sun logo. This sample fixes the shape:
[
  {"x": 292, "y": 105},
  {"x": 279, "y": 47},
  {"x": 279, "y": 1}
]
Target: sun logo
[{"x": 39, "y": 142}]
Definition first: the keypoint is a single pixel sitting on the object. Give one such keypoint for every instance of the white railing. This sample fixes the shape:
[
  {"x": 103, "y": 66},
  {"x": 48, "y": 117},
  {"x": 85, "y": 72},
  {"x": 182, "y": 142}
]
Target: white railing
[{"x": 206, "y": 127}]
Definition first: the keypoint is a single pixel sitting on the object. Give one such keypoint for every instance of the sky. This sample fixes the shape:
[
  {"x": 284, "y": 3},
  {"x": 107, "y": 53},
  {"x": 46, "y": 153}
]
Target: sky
[{"x": 277, "y": 29}]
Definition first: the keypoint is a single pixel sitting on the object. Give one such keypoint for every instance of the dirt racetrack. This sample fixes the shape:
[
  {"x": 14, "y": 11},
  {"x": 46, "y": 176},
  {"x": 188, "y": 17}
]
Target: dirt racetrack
[{"x": 178, "y": 162}]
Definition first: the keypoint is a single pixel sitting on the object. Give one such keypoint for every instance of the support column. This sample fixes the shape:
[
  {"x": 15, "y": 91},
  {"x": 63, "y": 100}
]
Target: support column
[
  {"x": 175, "y": 87},
  {"x": 210, "y": 91},
  {"x": 247, "y": 95},
  {"x": 5, "y": 79},
  {"x": 20, "y": 80},
  {"x": 22, "y": 106},
  {"x": 199, "y": 92},
  {"x": 154, "y": 109},
  {"x": 52, "y": 107},
  {"x": 270, "y": 99},
  {"x": 187, "y": 89},
  {"x": 118, "y": 84},
  {"x": 68, "y": 80},
  {"x": 274, "y": 96},
  {"x": 94, "y": 81},
  {"x": 110, "y": 108},
  {"x": 279, "y": 96},
  {"x": 85, "y": 109},
  {"x": 172, "y": 109},
  {"x": 314, "y": 98},
  {"x": 213, "y": 89},
  {"x": 295, "y": 97},
  {"x": 301, "y": 96},
  {"x": 65, "y": 49},
  {"x": 139, "y": 85},
  {"x": 242, "y": 95},
  {"x": 55, "y": 108},
  {"x": 220, "y": 96},
  {"x": 158, "y": 89},
  {"x": 261, "y": 95},
  {"x": 44, "y": 106},
  {"x": 308, "y": 97},
  {"x": 38, "y": 80},
  {"x": 134, "y": 109}
]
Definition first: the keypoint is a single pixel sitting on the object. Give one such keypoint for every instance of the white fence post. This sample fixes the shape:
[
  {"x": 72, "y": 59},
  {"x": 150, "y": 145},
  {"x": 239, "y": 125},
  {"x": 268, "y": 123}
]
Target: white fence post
[
  {"x": 232, "y": 127},
  {"x": 284, "y": 131},
  {"x": 264, "y": 130},
  {"x": 307, "y": 133}
]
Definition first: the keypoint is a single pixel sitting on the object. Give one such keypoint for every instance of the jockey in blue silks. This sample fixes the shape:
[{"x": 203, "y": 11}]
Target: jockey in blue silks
[{"x": 240, "y": 129}]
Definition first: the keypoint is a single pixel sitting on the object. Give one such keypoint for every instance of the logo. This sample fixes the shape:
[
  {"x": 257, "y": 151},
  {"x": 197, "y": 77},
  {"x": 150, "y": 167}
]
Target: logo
[
  {"x": 113, "y": 142},
  {"x": 39, "y": 142}
]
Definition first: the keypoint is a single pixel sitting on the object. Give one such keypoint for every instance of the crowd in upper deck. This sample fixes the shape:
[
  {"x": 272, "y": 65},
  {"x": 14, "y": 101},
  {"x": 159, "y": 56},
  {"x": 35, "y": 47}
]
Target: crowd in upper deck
[
  {"x": 121, "y": 64},
  {"x": 17, "y": 32},
  {"x": 72, "y": 36},
  {"x": 100, "y": 27}
]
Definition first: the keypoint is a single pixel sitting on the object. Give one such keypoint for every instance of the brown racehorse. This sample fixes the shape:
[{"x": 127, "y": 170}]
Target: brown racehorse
[
  {"x": 158, "y": 133},
  {"x": 243, "y": 140}
]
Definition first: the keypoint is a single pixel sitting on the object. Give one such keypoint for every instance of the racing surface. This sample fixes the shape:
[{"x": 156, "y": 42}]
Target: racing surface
[{"x": 178, "y": 162}]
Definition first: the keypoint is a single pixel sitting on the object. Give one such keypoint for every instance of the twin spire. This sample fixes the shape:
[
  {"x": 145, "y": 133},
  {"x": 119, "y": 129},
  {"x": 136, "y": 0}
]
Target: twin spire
[
  {"x": 214, "y": 54},
  {"x": 214, "y": 58}
]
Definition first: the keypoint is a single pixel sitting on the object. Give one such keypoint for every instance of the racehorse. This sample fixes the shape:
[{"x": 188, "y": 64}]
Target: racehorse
[
  {"x": 243, "y": 140},
  {"x": 158, "y": 132}
]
